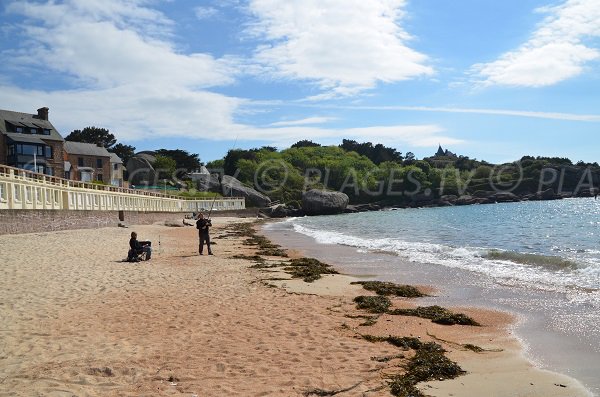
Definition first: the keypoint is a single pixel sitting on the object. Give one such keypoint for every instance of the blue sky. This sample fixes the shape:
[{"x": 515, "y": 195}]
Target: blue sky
[{"x": 493, "y": 80}]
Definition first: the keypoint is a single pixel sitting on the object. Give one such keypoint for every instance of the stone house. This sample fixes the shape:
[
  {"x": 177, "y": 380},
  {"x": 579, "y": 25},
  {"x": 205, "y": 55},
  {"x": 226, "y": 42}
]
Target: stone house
[
  {"x": 87, "y": 162},
  {"x": 31, "y": 142}
]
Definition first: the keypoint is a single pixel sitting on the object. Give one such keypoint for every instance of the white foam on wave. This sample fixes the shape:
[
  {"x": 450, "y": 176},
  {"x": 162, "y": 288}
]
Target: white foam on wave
[{"x": 585, "y": 280}]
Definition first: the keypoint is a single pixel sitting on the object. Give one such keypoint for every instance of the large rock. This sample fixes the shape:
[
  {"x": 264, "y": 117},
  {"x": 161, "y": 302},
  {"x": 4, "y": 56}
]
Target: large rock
[
  {"x": 141, "y": 171},
  {"x": 232, "y": 187},
  {"x": 465, "y": 200},
  {"x": 281, "y": 211},
  {"x": 322, "y": 202},
  {"x": 504, "y": 197},
  {"x": 547, "y": 194},
  {"x": 208, "y": 183}
]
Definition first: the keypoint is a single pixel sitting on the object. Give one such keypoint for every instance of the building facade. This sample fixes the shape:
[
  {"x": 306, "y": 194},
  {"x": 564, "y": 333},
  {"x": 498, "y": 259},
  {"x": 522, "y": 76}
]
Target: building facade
[
  {"x": 87, "y": 162},
  {"x": 30, "y": 141},
  {"x": 116, "y": 171}
]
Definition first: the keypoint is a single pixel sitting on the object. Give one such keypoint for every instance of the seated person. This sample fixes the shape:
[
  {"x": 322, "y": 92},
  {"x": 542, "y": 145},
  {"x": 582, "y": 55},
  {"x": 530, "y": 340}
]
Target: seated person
[{"x": 138, "y": 247}]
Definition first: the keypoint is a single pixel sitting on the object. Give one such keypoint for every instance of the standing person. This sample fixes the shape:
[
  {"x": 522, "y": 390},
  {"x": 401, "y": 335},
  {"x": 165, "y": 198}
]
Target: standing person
[
  {"x": 138, "y": 247},
  {"x": 202, "y": 225}
]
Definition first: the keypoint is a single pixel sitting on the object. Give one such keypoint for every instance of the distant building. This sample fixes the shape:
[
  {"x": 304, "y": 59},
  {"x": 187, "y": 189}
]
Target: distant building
[
  {"x": 444, "y": 153},
  {"x": 87, "y": 162},
  {"x": 116, "y": 170},
  {"x": 31, "y": 142}
]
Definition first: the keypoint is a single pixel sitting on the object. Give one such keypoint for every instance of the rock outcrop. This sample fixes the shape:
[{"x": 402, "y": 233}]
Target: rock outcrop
[
  {"x": 281, "y": 211},
  {"x": 140, "y": 169},
  {"x": 322, "y": 202},
  {"x": 208, "y": 183},
  {"x": 232, "y": 187}
]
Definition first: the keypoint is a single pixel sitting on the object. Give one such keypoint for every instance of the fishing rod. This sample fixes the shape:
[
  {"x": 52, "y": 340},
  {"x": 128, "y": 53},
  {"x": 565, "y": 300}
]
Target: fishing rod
[
  {"x": 211, "y": 207},
  {"x": 220, "y": 182}
]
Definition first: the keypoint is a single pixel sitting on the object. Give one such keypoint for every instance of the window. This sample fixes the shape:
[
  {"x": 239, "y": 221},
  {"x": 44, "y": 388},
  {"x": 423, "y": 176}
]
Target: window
[
  {"x": 27, "y": 149},
  {"x": 30, "y": 167},
  {"x": 99, "y": 177},
  {"x": 19, "y": 129},
  {"x": 116, "y": 167},
  {"x": 30, "y": 150},
  {"x": 80, "y": 161},
  {"x": 98, "y": 163},
  {"x": 33, "y": 131},
  {"x": 46, "y": 131},
  {"x": 11, "y": 150},
  {"x": 67, "y": 174}
]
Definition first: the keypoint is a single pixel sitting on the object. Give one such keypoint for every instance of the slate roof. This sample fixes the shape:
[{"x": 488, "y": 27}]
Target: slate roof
[
  {"x": 114, "y": 159},
  {"x": 27, "y": 138},
  {"x": 27, "y": 120},
  {"x": 86, "y": 149}
]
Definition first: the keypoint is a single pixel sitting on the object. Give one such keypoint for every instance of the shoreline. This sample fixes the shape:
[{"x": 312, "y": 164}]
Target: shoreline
[
  {"x": 485, "y": 370},
  {"x": 206, "y": 326}
]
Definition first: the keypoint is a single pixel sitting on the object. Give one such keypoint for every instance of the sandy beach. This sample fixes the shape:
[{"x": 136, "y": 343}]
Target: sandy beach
[{"x": 76, "y": 320}]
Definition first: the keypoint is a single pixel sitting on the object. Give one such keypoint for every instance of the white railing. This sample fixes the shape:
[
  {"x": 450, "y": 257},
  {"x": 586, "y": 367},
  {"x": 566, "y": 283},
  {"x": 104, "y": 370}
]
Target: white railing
[{"x": 22, "y": 189}]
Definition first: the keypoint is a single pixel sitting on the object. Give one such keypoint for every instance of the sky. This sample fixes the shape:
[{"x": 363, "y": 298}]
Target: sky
[{"x": 492, "y": 80}]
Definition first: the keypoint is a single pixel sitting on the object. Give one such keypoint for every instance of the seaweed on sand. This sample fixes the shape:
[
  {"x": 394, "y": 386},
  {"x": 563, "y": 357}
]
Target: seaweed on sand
[
  {"x": 428, "y": 363},
  {"x": 255, "y": 258},
  {"x": 266, "y": 247},
  {"x": 437, "y": 315},
  {"x": 373, "y": 304},
  {"x": 386, "y": 288},
  {"x": 272, "y": 251},
  {"x": 425, "y": 365},
  {"x": 263, "y": 265},
  {"x": 308, "y": 269}
]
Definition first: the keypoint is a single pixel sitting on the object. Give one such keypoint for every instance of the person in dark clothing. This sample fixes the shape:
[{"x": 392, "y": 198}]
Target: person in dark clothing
[
  {"x": 139, "y": 247},
  {"x": 202, "y": 225}
]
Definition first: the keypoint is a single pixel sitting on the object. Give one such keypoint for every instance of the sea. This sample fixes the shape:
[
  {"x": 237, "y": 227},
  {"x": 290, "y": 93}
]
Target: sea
[{"x": 539, "y": 260}]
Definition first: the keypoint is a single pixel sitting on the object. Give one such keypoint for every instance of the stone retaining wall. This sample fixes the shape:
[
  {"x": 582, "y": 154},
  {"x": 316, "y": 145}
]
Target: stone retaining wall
[{"x": 35, "y": 221}]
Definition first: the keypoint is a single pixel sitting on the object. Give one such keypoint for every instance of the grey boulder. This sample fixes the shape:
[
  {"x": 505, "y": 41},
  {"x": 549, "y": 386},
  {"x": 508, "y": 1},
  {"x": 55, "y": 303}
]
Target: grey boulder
[{"x": 322, "y": 202}]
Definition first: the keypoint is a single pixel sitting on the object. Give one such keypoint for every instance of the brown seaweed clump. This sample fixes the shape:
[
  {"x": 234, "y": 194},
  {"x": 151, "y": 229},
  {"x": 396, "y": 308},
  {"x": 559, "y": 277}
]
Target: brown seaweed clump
[
  {"x": 308, "y": 269},
  {"x": 386, "y": 288},
  {"x": 428, "y": 363},
  {"x": 255, "y": 258},
  {"x": 436, "y": 314},
  {"x": 373, "y": 304}
]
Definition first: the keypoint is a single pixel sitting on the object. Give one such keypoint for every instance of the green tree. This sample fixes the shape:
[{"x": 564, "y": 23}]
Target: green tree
[
  {"x": 215, "y": 164},
  {"x": 377, "y": 154},
  {"x": 93, "y": 135},
  {"x": 125, "y": 152},
  {"x": 183, "y": 159},
  {"x": 305, "y": 143},
  {"x": 165, "y": 166},
  {"x": 233, "y": 156}
]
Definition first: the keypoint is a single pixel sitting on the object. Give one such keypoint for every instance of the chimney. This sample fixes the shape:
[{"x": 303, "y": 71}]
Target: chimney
[{"x": 43, "y": 113}]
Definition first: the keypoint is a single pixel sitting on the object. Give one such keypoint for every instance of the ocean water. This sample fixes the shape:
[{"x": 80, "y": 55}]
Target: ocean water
[{"x": 540, "y": 260}]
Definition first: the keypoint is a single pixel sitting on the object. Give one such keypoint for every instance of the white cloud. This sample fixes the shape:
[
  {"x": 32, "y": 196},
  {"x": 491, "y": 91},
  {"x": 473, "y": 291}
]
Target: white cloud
[
  {"x": 555, "y": 52},
  {"x": 130, "y": 78},
  {"x": 305, "y": 121},
  {"x": 497, "y": 112},
  {"x": 200, "y": 115},
  {"x": 205, "y": 12},
  {"x": 427, "y": 135},
  {"x": 344, "y": 46},
  {"x": 121, "y": 44}
]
